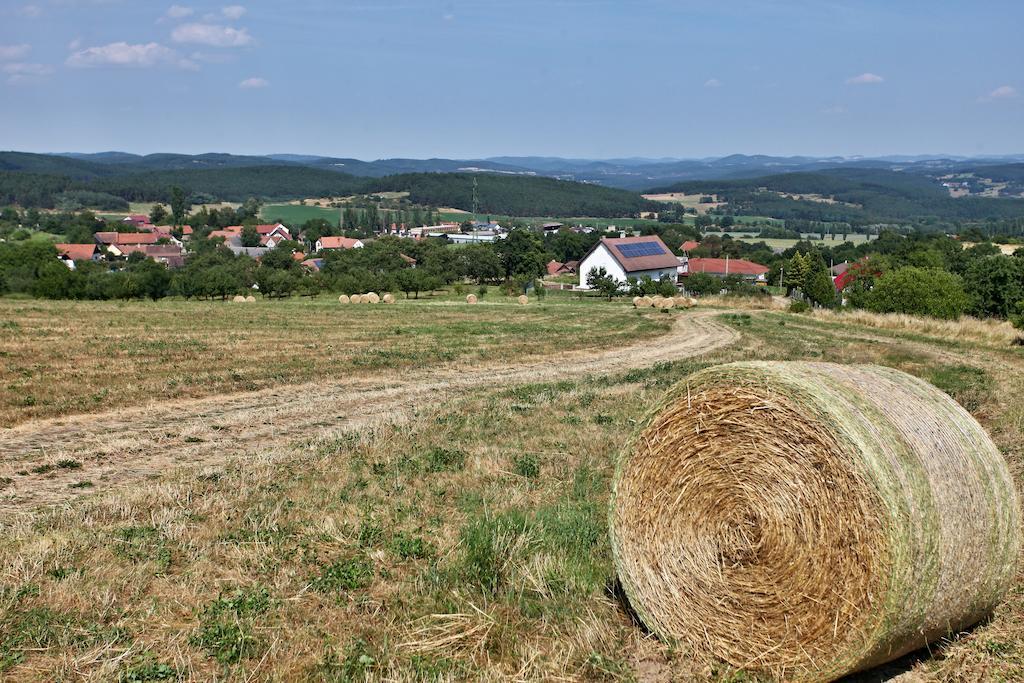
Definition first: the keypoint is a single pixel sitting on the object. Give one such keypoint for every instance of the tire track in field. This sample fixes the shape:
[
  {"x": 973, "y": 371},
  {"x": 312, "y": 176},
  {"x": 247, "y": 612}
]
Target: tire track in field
[{"x": 126, "y": 445}]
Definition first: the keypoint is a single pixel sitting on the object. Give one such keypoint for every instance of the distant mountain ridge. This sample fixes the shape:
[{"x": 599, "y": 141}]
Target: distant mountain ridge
[{"x": 627, "y": 173}]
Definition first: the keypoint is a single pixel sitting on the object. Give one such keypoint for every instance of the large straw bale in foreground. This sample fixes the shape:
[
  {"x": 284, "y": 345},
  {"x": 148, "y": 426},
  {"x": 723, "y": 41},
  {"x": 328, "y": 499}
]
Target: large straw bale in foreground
[{"x": 808, "y": 520}]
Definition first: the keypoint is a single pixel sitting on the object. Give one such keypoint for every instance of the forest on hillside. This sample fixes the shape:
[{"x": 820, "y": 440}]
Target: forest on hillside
[{"x": 863, "y": 196}]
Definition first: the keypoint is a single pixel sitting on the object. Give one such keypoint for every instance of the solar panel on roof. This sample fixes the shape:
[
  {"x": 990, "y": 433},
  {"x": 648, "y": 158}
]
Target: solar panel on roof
[{"x": 639, "y": 249}]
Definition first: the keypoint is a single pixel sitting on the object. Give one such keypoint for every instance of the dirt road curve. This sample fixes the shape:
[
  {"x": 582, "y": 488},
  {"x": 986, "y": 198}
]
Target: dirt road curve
[{"x": 118, "y": 447}]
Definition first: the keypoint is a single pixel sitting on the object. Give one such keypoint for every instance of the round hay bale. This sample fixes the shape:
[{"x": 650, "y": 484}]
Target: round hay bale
[
  {"x": 388, "y": 298},
  {"x": 250, "y": 299},
  {"x": 239, "y": 299},
  {"x": 646, "y": 302},
  {"x": 373, "y": 298},
  {"x": 682, "y": 302},
  {"x": 656, "y": 300},
  {"x": 810, "y": 520},
  {"x": 364, "y": 298},
  {"x": 343, "y": 299},
  {"x": 471, "y": 298},
  {"x": 523, "y": 300},
  {"x": 667, "y": 303},
  {"x": 636, "y": 301}
]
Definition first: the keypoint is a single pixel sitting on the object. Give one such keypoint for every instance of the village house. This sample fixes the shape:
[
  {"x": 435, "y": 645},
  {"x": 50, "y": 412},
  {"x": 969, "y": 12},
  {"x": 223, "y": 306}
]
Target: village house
[
  {"x": 724, "y": 267},
  {"x": 630, "y": 257},
  {"x": 69, "y": 253},
  {"x": 558, "y": 268},
  {"x": 332, "y": 242},
  {"x": 170, "y": 255}
]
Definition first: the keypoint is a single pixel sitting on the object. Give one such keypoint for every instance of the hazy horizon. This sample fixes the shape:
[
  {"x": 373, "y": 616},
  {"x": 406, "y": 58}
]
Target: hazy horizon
[{"x": 580, "y": 79}]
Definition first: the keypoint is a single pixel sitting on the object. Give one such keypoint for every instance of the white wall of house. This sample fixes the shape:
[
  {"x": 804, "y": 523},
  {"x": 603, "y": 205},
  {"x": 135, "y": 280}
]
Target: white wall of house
[{"x": 600, "y": 258}]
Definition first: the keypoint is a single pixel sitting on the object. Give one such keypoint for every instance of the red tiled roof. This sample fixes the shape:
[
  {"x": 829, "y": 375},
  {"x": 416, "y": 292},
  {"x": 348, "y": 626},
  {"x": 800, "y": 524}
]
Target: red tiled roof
[
  {"x": 666, "y": 259},
  {"x": 126, "y": 237},
  {"x": 721, "y": 266},
  {"x": 76, "y": 252},
  {"x": 337, "y": 242},
  {"x": 689, "y": 245},
  {"x": 554, "y": 267},
  {"x": 267, "y": 229},
  {"x": 408, "y": 259}
]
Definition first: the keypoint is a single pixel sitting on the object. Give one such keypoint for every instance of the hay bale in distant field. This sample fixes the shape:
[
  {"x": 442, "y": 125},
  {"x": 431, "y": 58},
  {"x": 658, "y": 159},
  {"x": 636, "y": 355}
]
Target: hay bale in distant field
[
  {"x": 666, "y": 303},
  {"x": 364, "y": 298},
  {"x": 373, "y": 298},
  {"x": 239, "y": 299},
  {"x": 250, "y": 299},
  {"x": 523, "y": 300},
  {"x": 682, "y": 302},
  {"x": 471, "y": 298},
  {"x": 809, "y": 520},
  {"x": 692, "y": 301},
  {"x": 646, "y": 302},
  {"x": 388, "y": 298},
  {"x": 656, "y": 300},
  {"x": 636, "y": 301},
  {"x": 343, "y": 299}
]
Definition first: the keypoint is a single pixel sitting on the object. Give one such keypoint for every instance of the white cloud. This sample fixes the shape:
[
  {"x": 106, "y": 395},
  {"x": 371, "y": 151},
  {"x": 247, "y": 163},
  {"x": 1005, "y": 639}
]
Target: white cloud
[
  {"x": 211, "y": 34},
  {"x": 125, "y": 54},
  {"x": 251, "y": 83},
  {"x": 234, "y": 12},
  {"x": 75, "y": 44},
  {"x": 8, "y": 52},
  {"x": 21, "y": 72},
  {"x": 866, "y": 78},
  {"x": 1003, "y": 92},
  {"x": 712, "y": 83},
  {"x": 178, "y": 12}
]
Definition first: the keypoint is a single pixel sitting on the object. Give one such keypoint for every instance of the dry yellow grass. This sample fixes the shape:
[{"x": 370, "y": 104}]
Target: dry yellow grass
[{"x": 990, "y": 331}]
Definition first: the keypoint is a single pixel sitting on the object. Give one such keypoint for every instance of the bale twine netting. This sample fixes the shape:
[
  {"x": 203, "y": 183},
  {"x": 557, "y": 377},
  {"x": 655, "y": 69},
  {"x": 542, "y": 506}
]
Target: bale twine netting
[{"x": 809, "y": 520}]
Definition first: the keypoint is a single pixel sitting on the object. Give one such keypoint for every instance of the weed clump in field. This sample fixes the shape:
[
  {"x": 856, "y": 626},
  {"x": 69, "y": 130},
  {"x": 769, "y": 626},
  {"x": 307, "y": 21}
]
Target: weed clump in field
[
  {"x": 225, "y": 628},
  {"x": 343, "y": 575}
]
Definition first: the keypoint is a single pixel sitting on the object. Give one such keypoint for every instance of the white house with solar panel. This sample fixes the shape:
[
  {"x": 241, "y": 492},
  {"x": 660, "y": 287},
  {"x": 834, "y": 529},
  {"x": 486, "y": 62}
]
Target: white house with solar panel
[{"x": 631, "y": 257}]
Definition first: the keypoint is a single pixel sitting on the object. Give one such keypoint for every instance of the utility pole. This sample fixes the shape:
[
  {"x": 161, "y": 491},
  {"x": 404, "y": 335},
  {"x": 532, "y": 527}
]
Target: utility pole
[{"x": 474, "y": 198}]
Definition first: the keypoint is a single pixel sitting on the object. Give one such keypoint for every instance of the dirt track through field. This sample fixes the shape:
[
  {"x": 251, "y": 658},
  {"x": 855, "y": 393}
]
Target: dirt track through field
[{"x": 123, "y": 446}]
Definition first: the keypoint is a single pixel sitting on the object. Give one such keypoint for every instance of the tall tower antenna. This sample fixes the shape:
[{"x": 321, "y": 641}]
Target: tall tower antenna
[{"x": 474, "y": 198}]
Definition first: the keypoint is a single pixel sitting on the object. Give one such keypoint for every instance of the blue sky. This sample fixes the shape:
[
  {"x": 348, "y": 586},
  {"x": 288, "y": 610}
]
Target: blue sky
[{"x": 581, "y": 78}]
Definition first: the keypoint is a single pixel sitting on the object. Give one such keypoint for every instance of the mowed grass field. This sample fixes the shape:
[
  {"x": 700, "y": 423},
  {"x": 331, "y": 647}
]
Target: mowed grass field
[
  {"x": 467, "y": 544},
  {"x": 296, "y": 214},
  {"x": 64, "y": 357},
  {"x": 778, "y": 243}
]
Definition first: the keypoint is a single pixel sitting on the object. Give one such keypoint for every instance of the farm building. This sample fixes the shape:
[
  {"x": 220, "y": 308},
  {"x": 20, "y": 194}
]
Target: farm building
[
  {"x": 723, "y": 267},
  {"x": 109, "y": 239},
  {"x": 170, "y": 255},
  {"x": 477, "y": 237},
  {"x": 689, "y": 245},
  {"x": 328, "y": 242},
  {"x": 630, "y": 257},
  {"x": 559, "y": 268},
  {"x": 69, "y": 253}
]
